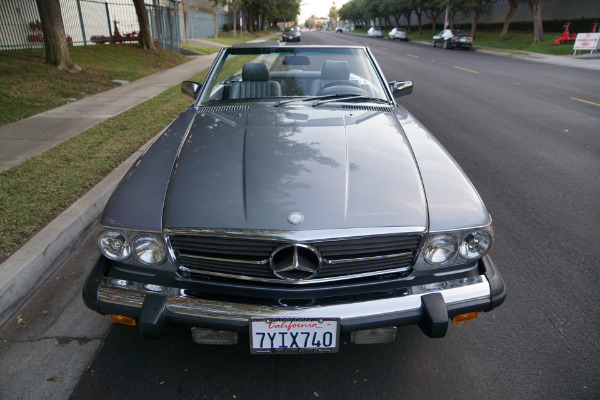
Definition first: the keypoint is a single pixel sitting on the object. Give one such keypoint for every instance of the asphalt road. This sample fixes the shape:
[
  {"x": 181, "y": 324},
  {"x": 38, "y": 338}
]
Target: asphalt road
[{"x": 533, "y": 152}]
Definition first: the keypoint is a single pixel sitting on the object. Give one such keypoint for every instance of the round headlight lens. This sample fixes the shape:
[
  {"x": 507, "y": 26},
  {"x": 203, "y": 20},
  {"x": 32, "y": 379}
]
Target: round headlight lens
[
  {"x": 440, "y": 249},
  {"x": 149, "y": 250},
  {"x": 114, "y": 246},
  {"x": 475, "y": 244}
]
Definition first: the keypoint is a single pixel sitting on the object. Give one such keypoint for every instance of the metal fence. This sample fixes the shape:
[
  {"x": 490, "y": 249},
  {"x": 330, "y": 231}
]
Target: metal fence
[
  {"x": 88, "y": 22},
  {"x": 201, "y": 24}
]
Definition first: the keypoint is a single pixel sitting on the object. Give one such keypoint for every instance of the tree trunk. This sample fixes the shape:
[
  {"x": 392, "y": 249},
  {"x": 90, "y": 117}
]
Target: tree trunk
[
  {"x": 419, "y": 22},
  {"x": 55, "y": 39},
  {"x": 215, "y": 25},
  {"x": 513, "y": 8},
  {"x": 476, "y": 9},
  {"x": 185, "y": 25},
  {"x": 145, "y": 35},
  {"x": 535, "y": 7},
  {"x": 407, "y": 15},
  {"x": 234, "y": 21}
]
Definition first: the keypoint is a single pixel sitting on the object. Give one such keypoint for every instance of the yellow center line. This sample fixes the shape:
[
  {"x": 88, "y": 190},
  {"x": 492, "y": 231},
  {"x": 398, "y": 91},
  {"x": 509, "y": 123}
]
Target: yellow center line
[
  {"x": 412, "y": 55},
  {"x": 585, "y": 101},
  {"x": 464, "y": 69},
  {"x": 382, "y": 48}
]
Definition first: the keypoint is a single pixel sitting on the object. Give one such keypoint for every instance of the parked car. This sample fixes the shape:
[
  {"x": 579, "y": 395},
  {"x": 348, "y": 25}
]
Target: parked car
[
  {"x": 290, "y": 34},
  {"x": 293, "y": 203},
  {"x": 339, "y": 29},
  {"x": 451, "y": 38},
  {"x": 374, "y": 32},
  {"x": 398, "y": 33}
]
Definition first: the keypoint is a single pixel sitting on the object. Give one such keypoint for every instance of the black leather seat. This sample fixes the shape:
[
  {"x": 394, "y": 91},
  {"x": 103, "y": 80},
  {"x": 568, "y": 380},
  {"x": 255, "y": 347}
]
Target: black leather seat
[
  {"x": 331, "y": 71},
  {"x": 255, "y": 83}
]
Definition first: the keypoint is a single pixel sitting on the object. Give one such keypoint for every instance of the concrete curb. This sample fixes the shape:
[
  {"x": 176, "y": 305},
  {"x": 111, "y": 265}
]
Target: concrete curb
[{"x": 27, "y": 269}]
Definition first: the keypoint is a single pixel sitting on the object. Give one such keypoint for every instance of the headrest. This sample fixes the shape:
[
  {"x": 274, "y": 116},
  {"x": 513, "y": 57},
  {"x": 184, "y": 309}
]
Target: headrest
[
  {"x": 335, "y": 70},
  {"x": 255, "y": 72}
]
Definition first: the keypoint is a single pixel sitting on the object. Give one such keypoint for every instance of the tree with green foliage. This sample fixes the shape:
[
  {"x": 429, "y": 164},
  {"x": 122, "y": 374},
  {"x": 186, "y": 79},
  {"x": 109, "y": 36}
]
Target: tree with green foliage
[
  {"x": 55, "y": 39},
  {"x": 333, "y": 15},
  {"x": 433, "y": 9},
  {"x": 476, "y": 8}
]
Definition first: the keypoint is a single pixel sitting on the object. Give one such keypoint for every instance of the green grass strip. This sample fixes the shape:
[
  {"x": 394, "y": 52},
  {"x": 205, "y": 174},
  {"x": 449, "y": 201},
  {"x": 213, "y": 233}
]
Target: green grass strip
[{"x": 33, "y": 193}]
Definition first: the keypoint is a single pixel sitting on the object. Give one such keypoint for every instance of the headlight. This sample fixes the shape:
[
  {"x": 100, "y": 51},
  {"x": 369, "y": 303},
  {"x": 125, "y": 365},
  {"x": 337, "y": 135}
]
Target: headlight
[
  {"x": 440, "y": 249},
  {"x": 114, "y": 245},
  {"x": 475, "y": 244},
  {"x": 149, "y": 250}
]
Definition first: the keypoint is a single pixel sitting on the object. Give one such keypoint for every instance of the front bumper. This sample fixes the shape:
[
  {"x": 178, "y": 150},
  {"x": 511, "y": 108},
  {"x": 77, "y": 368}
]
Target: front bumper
[{"x": 430, "y": 307}]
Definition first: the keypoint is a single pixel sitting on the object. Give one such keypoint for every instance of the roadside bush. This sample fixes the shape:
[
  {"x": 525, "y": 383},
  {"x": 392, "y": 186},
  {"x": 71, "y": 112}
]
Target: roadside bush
[{"x": 227, "y": 27}]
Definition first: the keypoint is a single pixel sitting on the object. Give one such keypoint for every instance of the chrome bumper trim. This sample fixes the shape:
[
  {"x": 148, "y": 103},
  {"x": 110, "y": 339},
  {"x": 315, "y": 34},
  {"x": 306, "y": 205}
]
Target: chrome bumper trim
[{"x": 457, "y": 293}]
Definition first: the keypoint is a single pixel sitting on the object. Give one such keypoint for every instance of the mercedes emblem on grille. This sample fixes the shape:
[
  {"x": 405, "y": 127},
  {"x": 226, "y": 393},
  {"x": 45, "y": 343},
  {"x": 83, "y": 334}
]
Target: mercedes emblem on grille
[
  {"x": 295, "y": 218},
  {"x": 295, "y": 262}
]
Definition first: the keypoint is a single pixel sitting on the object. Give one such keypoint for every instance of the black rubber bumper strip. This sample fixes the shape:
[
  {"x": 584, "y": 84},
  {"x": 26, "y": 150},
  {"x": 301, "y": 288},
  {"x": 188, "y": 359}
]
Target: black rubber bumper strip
[
  {"x": 497, "y": 287},
  {"x": 152, "y": 317},
  {"x": 435, "y": 315}
]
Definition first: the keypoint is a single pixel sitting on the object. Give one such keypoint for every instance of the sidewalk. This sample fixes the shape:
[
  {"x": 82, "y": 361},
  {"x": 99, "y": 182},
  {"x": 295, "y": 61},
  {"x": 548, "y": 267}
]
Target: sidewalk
[
  {"x": 34, "y": 135},
  {"x": 584, "y": 61},
  {"x": 28, "y": 268}
]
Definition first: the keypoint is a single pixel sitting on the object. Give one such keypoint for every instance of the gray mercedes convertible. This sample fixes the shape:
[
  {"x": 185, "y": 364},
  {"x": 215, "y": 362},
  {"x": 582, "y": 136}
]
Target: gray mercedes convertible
[{"x": 294, "y": 204}]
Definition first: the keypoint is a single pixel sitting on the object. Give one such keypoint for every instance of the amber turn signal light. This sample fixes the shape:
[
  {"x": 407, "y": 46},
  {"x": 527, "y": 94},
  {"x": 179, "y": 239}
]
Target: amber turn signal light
[
  {"x": 465, "y": 317},
  {"x": 121, "y": 319}
]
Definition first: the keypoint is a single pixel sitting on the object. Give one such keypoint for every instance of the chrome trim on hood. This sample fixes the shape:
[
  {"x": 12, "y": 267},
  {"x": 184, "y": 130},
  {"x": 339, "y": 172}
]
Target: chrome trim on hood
[{"x": 297, "y": 236}]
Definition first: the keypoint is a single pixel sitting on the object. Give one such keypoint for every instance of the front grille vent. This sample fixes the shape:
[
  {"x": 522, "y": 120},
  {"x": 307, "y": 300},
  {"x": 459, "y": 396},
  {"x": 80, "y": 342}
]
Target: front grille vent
[
  {"x": 244, "y": 258},
  {"x": 208, "y": 110}
]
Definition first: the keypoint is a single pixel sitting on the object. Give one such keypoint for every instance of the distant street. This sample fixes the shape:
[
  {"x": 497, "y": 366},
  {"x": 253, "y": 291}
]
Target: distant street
[{"x": 528, "y": 136}]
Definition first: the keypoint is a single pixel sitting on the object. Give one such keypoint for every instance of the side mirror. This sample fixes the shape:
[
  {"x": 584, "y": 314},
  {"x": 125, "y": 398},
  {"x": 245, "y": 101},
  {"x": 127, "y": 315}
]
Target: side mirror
[
  {"x": 401, "y": 88},
  {"x": 190, "y": 88}
]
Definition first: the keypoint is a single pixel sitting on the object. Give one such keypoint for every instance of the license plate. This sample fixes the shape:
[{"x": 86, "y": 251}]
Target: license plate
[{"x": 294, "y": 335}]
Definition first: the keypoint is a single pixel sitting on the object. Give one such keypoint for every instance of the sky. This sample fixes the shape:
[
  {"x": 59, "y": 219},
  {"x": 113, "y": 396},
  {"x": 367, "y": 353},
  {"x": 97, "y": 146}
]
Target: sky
[{"x": 320, "y": 8}]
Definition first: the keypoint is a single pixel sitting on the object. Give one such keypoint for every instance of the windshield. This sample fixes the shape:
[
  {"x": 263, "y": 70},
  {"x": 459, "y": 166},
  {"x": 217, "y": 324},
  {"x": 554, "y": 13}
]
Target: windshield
[
  {"x": 279, "y": 73},
  {"x": 291, "y": 29}
]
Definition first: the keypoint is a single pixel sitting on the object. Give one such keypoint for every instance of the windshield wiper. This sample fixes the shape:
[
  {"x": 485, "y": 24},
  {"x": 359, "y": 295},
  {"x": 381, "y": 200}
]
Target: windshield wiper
[
  {"x": 309, "y": 98},
  {"x": 351, "y": 97},
  {"x": 331, "y": 97}
]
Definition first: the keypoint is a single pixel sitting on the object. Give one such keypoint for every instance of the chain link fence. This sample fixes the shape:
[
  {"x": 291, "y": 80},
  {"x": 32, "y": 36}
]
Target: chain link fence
[{"x": 88, "y": 22}]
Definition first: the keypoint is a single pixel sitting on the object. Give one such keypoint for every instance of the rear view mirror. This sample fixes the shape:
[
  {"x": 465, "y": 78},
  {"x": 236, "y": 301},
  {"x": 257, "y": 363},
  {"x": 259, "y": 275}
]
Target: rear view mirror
[
  {"x": 296, "y": 60},
  {"x": 191, "y": 89},
  {"x": 401, "y": 88}
]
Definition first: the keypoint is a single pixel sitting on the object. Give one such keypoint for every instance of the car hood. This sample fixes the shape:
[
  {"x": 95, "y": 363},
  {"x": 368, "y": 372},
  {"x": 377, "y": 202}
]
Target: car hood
[{"x": 337, "y": 168}]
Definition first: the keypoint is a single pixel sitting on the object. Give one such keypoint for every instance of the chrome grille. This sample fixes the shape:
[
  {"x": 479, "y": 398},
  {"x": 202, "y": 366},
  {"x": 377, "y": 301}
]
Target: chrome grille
[{"x": 245, "y": 258}]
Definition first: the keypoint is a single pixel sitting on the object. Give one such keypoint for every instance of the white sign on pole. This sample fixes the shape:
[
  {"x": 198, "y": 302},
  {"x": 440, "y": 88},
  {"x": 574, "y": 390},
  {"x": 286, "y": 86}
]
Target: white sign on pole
[{"x": 587, "y": 41}]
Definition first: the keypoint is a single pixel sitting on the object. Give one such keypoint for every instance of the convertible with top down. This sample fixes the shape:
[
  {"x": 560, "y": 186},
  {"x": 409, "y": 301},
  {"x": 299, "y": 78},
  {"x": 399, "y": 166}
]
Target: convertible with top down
[{"x": 294, "y": 203}]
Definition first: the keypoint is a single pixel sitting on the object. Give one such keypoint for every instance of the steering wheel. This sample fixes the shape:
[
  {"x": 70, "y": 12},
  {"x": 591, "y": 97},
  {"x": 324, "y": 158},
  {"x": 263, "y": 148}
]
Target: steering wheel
[{"x": 342, "y": 87}]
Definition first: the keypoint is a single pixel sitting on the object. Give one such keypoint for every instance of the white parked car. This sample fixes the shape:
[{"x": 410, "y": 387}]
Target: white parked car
[
  {"x": 398, "y": 33},
  {"x": 374, "y": 32}
]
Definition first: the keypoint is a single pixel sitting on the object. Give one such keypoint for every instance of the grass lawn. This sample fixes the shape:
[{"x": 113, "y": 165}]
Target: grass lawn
[
  {"x": 228, "y": 39},
  {"x": 515, "y": 42},
  {"x": 201, "y": 49},
  {"x": 28, "y": 86}
]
